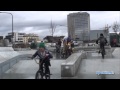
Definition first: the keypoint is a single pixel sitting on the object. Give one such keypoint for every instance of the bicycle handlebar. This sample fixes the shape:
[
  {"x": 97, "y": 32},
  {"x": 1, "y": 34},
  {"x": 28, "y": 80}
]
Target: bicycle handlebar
[
  {"x": 38, "y": 58},
  {"x": 35, "y": 59}
]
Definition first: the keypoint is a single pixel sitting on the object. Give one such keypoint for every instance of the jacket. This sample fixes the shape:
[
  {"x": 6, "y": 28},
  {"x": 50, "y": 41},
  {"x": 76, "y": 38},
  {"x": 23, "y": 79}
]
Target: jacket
[
  {"x": 37, "y": 53},
  {"x": 102, "y": 39}
]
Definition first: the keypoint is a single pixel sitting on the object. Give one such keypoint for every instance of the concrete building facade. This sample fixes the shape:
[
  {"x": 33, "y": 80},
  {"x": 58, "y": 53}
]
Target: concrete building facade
[
  {"x": 22, "y": 37},
  {"x": 17, "y": 37},
  {"x": 95, "y": 34},
  {"x": 29, "y": 38},
  {"x": 79, "y": 25}
]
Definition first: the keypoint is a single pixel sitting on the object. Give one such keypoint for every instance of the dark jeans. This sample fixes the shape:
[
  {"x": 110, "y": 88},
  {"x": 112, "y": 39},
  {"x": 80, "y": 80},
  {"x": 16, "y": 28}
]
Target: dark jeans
[
  {"x": 102, "y": 46},
  {"x": 46, "y": 64}
]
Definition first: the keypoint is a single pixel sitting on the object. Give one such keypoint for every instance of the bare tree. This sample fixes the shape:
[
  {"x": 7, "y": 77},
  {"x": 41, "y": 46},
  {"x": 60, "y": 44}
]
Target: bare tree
[
  {"x": 52, "y": 30},
  {"x": 106, "y": 30},
  {"x": 115, "y": 27}
]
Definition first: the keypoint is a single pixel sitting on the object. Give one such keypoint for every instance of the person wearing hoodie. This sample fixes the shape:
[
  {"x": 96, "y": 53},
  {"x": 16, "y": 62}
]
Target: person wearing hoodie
[{"x": 103, "y": 41}]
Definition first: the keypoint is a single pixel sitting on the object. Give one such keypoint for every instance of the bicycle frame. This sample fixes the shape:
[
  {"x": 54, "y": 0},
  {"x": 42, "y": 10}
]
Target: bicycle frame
[{"x": 39, "y": 71}]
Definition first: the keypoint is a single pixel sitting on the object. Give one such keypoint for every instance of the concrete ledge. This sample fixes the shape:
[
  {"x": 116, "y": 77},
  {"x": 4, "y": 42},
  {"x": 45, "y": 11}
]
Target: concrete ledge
[
  {"x": 108, "y": 52},
  {"x": 12, "y": 62},
  {"x": 85, "y": 48},
  {"x": 70, "y": 67},
  {"x": 6, "y": 49},
  {"x": 21, "y": 49},
  {"x": 8, "y": 57},
  {"x": 89, "y": 48},
  {"x": 4, "y": 66}
]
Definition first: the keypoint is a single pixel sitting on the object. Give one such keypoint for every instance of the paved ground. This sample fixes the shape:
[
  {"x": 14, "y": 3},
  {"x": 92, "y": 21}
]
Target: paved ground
[
  {"x": 91, "y": 65},
  {"x": 26, "y": 69}
]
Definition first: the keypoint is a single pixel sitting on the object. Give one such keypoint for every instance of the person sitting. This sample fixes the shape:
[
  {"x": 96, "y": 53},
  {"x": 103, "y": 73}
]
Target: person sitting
[
  {"x": 103, "y": 42},
  {"x": 44, "y": 56}
]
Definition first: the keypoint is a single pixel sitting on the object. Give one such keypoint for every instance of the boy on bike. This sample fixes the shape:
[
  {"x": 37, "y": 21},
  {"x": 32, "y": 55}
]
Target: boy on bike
[
  {"x": 103, "y": 42},
  {"x": 44, "y": 56}
]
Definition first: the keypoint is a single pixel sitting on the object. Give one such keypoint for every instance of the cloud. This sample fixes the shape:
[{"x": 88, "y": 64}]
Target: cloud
[{"x": 39, "y": 21}]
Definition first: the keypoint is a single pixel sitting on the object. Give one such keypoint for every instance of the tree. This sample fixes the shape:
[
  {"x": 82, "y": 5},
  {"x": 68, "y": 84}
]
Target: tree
[
  {"x": 115, "y": 27},
  {"x": 33, "y": 45},
  {"x": 52, "y": 28}
]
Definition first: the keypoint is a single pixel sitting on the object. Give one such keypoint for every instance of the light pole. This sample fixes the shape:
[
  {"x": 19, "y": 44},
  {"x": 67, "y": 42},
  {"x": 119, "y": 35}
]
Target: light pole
[{"x": 12, "y": 24}]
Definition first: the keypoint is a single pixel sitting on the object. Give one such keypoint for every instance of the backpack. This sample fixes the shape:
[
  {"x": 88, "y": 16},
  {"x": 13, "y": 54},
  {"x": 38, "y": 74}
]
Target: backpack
[{"x": 102, "y": 40}]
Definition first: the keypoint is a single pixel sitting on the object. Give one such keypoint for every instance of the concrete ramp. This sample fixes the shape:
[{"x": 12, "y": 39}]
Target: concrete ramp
[
  {"x": 6, "y": 49},
  {"x": 71, "y": 65},
  {"x": 8, "y": 55},
  {"x": 89, "y": 67},
  {"x": 2, "y": 59},
  {"x": 94, "y": 63},
  {"x": 6, "y": 58},
  {"x": 26, "y": 69},
  {"x": 27, "y": 52}
]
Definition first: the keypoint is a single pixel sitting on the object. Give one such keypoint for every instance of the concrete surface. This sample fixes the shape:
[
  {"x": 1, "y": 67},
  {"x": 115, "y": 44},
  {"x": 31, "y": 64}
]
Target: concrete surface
[
  {"x": 26, "y": 70},
  {"x": 94, "y": 63},
  {"x": 70, "y": 66},
  {"x": 6, "y": 58},
  {"x": 23, "y": 55},
  {"x": 7, "y": 53},
  {"x": 6, "y": 49},
  {"x": 21, "y": 49}
]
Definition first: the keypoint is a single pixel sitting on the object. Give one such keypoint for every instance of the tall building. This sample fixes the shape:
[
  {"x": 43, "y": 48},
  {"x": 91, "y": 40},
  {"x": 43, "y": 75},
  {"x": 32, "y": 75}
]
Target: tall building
[{"x": 79, "y": 25}]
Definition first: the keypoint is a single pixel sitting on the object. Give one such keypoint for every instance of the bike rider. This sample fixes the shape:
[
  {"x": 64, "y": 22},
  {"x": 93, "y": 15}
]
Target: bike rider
[
  {"x": 72, "y": 46},
  {"x": 66, "y": 43},
  {"x": 58, "y": 45},
  {"x": 103, "y": 42},
  {"x": 44, "y": 56},
  {"x": 42, "y": 43},
  {"x": 68, "y": 39}
]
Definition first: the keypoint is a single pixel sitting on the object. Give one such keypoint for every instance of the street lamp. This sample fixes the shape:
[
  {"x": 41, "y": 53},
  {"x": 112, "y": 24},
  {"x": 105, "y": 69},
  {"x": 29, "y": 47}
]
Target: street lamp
[{"x": 12, "y": 23}]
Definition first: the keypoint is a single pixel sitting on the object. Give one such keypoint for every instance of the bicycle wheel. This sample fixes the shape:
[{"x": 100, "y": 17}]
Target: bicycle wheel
[
  {"x": 47, "y": 76},
  {"x": 38, "y": 75}
]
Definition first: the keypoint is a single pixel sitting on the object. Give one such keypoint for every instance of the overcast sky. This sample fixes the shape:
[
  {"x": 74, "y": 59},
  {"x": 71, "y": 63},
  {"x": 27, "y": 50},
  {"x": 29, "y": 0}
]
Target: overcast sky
[{"x": 38, "y": 22}]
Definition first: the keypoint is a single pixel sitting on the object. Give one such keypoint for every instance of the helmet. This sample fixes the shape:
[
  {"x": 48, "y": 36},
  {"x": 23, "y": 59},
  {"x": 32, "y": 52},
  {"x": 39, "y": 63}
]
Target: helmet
[{"x": 41, "y": 45}]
